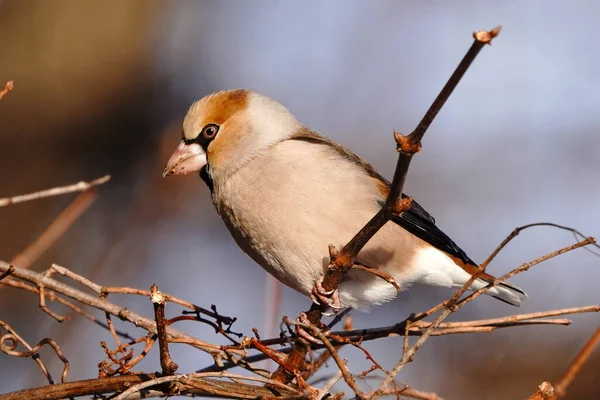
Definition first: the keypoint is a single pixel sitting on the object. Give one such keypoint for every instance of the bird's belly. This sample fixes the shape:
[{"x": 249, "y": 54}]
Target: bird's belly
[
  {"x": 284, "y": 243},
  {"x": 289, "y": 237},
  {"x": 296, "y": 269}
]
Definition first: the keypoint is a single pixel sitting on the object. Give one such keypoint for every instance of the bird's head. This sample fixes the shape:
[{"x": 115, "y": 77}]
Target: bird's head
[{"x": 226, "y": 129}]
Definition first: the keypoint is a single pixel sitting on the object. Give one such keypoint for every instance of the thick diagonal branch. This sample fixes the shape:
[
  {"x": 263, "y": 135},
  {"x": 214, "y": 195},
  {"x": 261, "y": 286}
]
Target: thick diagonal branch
[{"x": 407, "y": 146}]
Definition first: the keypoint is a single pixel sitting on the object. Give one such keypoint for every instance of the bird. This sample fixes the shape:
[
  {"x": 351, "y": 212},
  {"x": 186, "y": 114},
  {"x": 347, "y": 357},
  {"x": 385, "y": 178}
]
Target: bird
[{"x": 286, "y": 193}]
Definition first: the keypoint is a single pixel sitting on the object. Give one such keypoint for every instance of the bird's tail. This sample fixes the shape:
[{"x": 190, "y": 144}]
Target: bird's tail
[{"x": 505, "y": 292}]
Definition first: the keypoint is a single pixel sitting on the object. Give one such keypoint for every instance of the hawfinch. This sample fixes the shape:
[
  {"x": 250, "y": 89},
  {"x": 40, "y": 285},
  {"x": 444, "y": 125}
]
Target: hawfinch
[{"x": 286, "y": 193}]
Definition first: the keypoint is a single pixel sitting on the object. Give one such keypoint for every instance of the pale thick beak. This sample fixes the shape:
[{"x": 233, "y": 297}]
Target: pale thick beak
[{"x": 186, "y": 158}]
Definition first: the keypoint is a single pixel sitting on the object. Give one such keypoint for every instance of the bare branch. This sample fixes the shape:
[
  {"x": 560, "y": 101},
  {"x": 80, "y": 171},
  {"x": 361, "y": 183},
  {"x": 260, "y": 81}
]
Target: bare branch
[
  {"x": 158, "y": 300},
  {"x": 9, "y": 342},
  {"x": 340, "y": 363},
  {"x": 545, "y": 392},
  {"x": 525, "y": 267},
  {"x": 204, "y": 387},
  {"x": 315, "y": 365},
  {"x": 103, "y": 291},
  {"x": 515, "y": 319},
  {"x": 106, "y": 306},
  {"x": 452, "y": 306},
  {"x": 56, "y": 230},
  {"x": 493, "y": 255},
  {"x": 518, "y": 230},
  {"x": 416, "y": 328},
  {"x": 42, "y": 303},
  {"x": 8, "y": 272},
  {"x": 412, "y": 393},
  {"x": 56, "y": 191},
  {"x": 122, "y": 356},
  {"x": 8, "y": 87},
  {"x": 52, "y": 296},
  {"x": 192, "y": 378},
  {"x": 323, "y": 392},
  {"x": 562, "y": 385}
]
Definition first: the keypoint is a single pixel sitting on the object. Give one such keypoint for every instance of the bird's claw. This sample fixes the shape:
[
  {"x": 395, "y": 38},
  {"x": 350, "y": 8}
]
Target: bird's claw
[
  {"x": 302, "y": 333},
  {"x": 330, "y": 298}
]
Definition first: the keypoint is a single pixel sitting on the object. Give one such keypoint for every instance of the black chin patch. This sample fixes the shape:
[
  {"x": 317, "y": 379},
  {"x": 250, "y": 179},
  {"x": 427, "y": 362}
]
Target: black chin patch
[{"x": 206, "y": 177}]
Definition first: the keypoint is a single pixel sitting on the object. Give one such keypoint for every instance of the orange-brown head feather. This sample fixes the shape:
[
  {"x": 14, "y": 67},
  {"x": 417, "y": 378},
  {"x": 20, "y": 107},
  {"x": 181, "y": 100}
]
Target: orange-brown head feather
[{"x": 215, "y": 108}]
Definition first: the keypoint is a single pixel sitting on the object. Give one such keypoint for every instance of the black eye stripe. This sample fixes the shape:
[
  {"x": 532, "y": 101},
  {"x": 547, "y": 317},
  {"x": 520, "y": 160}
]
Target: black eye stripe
[{"x": 206, "y": 135}]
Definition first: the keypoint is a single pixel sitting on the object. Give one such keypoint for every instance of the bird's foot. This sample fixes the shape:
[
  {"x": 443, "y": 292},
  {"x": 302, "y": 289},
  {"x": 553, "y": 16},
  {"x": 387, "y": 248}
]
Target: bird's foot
[
  {"x": 330, "y": 298},
  {"x": 302, "y": 333}
]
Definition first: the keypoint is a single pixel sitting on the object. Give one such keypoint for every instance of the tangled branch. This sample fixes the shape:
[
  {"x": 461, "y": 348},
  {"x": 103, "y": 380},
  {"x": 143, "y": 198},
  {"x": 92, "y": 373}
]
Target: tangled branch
[{"x": 10, "y": 340}]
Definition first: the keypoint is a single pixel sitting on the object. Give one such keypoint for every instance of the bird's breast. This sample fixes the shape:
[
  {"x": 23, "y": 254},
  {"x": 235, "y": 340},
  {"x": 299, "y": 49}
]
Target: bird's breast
[{"x": 286, "y": 206}]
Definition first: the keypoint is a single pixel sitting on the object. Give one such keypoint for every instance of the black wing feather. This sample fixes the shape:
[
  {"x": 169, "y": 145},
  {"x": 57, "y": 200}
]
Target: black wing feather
[{"x": 421, "y": 224}]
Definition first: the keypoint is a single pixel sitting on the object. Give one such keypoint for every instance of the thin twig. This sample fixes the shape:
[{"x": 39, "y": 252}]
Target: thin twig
[
  {"x": 563, "y": 384},
  {"x": 56, "y": 191},
  {"x": 8, "y": 87},
  {"x": 545, "y": 392},
  {"x": 315, "y": 365},
  {"x": 56, "y": 230},
  {"x": 8, "y": 272},
  {"x": 33, "y": 352},
  {"x": 174, "y": 378},
  {"x": 12, "y": 339},
  {"x": 106, "y": 306},
  {"x": 103, "y": 291},
  {"x": 522, "y": 317},
  {"x": 409, "y": 354},
  {"x": 125, "y": 362},
  {"x": 52, "y": 296},
  {"x": 451, "y": 307},
  {"x": 205, "y": 387},
  {"x": 323, "y": 392},
  {"x": 158, "y": 301},
  {"x": 416, "y": 329},
  {"x": 491, "y": 257},
  {"x": 334, "y": 354},
  {"x": 42, "y": 301},
  {"x": 412, "y": 393},
  {"x": 523, "y": 268},
  {"x": 274, "y": 355},
  {"x": 578, "y": 235},
  {"x": 380, "y": 274}
]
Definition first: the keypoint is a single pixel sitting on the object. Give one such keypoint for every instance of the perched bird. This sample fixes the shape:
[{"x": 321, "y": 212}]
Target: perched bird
[{"x": 286, "y": 193}]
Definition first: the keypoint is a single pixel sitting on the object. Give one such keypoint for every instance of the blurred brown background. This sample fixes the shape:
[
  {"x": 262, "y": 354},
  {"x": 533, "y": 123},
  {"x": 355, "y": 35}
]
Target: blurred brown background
[{"x": 101, "y": 87}]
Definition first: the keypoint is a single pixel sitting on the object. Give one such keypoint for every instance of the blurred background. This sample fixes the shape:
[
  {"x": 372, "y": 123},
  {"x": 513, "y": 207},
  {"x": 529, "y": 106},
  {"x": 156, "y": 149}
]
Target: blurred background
[{"x": 102, "y": 87}]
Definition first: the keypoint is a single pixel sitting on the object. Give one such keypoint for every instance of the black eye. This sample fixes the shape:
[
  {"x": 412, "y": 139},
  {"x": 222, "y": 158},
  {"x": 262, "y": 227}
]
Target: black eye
[{"x": 210, "y": 131}]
